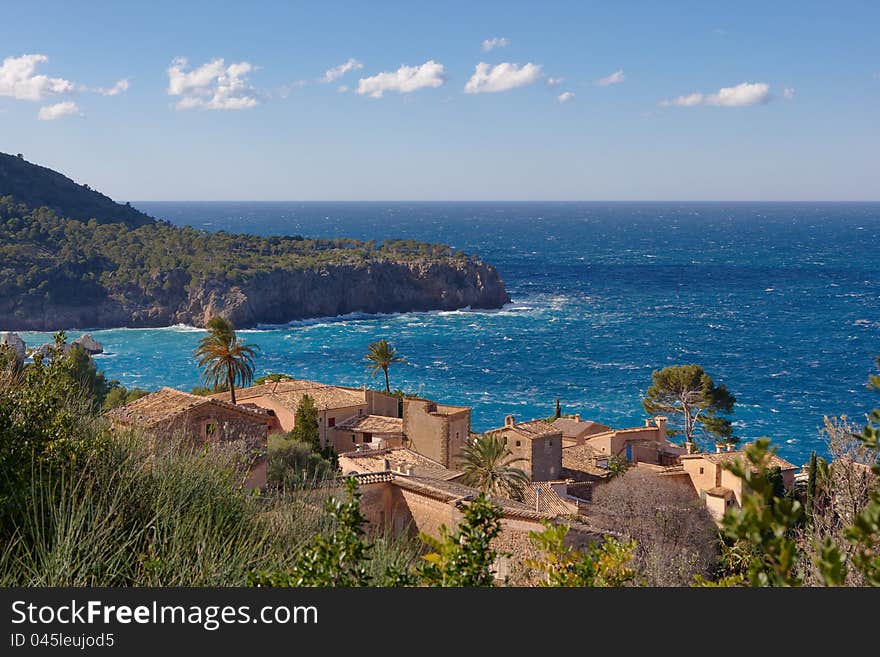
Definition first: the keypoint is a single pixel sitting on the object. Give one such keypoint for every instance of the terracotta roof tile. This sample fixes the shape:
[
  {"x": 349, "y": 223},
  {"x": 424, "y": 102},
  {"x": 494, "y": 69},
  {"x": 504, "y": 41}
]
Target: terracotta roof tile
[
  {"x": 168, "y": 403},
  {"x": 289, "y": 393},
  {"x": 373, "y": 460},
  {"x": 372, "y": 424},
  {"x": 726, "y": 457},
  {"x": 571, "y": 427},
  {"x": 548, "y": 500}
]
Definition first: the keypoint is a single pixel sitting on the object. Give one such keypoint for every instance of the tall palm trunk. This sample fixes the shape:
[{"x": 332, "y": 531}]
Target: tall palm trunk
[
  {"x": 387, "y": 384},
  {"x": 231, "y": 380}
]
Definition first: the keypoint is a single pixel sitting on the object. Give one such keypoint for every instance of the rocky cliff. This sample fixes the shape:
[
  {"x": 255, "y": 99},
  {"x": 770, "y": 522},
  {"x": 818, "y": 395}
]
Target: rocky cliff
[
  {"x": 72, "y": 258},
  {"x": 281, "y": 296}
]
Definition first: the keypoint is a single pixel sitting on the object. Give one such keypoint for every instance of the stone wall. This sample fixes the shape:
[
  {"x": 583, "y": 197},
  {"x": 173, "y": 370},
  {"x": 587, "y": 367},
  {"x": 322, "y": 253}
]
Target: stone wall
[
  {"x": 210, "y": 423},
  {"x": 436, "y": 431}
]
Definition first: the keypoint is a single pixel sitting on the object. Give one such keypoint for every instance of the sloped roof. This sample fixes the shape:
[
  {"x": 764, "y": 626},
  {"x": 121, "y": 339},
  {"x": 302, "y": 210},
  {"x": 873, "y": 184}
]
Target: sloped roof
[
  {"x": 373, "y": 460},
  {"x": 719, "y": 491},
  {"x": 531, "y": 430},
  {"x": 289, "y": 393},
  {"x": 572, "y": 427},
  {"x": 548, "y": 500},
  {"x": 581, "y": 459},
  {"x": 378, "y": 424},
  {"x": 168, "y": 403},
  {"x": 727, "y": 457}
]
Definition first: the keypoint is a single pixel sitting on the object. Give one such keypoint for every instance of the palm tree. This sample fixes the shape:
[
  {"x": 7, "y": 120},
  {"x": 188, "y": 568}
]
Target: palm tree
[
  {"x": 380, "y": 356},
  {"x": 486, "y": 466},
  {"x": 223, "y": 358}
]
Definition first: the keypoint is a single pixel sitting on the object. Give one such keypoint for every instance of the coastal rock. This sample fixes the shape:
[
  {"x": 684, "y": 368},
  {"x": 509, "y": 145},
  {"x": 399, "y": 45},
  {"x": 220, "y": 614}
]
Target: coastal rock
[
  {"x": 280, "y": 296},
  {"x": 44, "y": 350},
  {"x": 87, "y": 342},
  {"x": 17, "y": 345}
]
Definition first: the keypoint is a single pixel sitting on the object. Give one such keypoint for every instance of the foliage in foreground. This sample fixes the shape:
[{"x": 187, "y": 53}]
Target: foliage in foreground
[
  {"x": 464, "y": 557},
  {"x": 604, "y": 564}
]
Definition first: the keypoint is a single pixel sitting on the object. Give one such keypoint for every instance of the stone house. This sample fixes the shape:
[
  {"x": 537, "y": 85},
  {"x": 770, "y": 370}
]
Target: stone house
[
  {"x": 575, "y": 431},
  {"x": 438, "y": 431},
  {"x": 719, "y": 488},
  {"x": 169, "y": 413},
  {"x": 411, "y": 504},
  {"x": 646, "y": 444},
  {"x": 397, "y": 459},
  {"x": 537, "y": 443},
  {"x": 375, "y": 431},
  {"x": 334, "y": 403}
]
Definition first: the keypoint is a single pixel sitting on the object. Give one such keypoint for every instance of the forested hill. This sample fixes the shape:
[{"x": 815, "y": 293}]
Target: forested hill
[
  {"x": 37, "y": 186},
  {"x": 57, "y": 272}
]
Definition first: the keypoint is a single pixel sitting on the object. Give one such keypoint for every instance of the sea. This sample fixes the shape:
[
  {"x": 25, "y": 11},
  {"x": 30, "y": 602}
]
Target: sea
[{"x": 778, "y": 301}]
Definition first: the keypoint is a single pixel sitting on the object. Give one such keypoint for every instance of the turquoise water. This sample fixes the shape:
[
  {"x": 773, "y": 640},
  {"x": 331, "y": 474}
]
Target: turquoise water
[{"x": 779, "y": 301}]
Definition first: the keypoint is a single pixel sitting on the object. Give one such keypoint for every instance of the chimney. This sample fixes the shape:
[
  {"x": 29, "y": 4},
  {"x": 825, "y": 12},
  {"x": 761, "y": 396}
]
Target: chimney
[
  {"x": 729, "y": 447},
  {"x": 577, "y": 417},
  {"x": 509, "y": 421},
  {"x": 689, "y": 447},
  {"x": 717, "y": 448},
  {"x": 660, "y": 421},
  {"x": 649, "y": 422}
]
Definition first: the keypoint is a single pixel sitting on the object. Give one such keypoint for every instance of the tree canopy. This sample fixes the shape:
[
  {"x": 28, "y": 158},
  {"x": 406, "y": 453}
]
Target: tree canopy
[{"x": 691, "y": 400}]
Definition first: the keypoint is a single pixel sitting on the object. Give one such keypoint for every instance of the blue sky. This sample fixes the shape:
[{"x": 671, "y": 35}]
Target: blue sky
[{"x": 699, "y": 100}]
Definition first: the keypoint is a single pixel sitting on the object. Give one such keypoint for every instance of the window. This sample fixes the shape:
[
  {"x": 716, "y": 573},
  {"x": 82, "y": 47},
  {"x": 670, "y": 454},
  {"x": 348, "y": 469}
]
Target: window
[
  {"x": 368, "y": 437},
  {"x": 210, "y": 429},
  {"x": 331, "y": 421},
  {"x": 353, "y": 438},
  {"x": 517, "y": 443},
  {"x": 701, "y": 470}
]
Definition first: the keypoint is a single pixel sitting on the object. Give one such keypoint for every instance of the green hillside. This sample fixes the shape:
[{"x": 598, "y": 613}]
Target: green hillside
[{"x": 37, "y": 186}]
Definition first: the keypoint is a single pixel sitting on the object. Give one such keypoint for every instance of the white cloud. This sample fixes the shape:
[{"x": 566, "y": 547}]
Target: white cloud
[
  {"x": 211, "y": 86},
  {"x": 501, "y": 77},
  {"x": 18, "y": 79},
  {"x": 494, "y": 42},
  {"x": 554, "y": 82},
  {"x": 52, "y": 112},
  {"x": 684, "y": 101},
  {"x": 116, "y": 89},
  {"x": 342, "y": 88},
  {"x": 404, "y": 80},
  {"x": 615, "y": 78},
  {"x": 337, "y": 72},
  {"x": 741, "y": 95},
  {"x": 565, "y": 96},
  {"x": 788, "y": 93}
]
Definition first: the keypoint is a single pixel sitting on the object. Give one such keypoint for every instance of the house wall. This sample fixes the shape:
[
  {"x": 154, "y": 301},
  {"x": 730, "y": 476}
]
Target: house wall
[
  {"x": 519, "y": 446},
  {"x": 436, "y": 431},
  {"x": 546, "y": 457},
  {"x": 284, "y": 416},
  {"x": 459, "y": 428},
  {"x": 716, "y": 506},
  {"x": 701, "y": 480},
  {"x": 734, "y": 483},
  {"x": 228, "y": 426},
  {"x": 337, "y": 415},
  {"x": 613, "y": 443},
  {"x": 379, "y": 403},
  {"x": 419, "y": 513}
]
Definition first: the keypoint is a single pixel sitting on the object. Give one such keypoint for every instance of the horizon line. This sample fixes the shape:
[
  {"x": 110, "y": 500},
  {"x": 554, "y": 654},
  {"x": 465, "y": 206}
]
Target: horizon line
[{"x": 502, "y": 201}]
